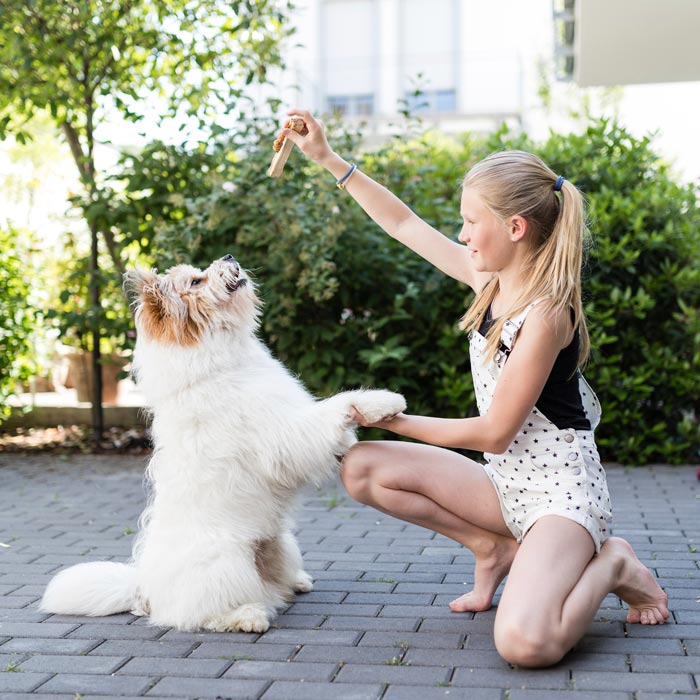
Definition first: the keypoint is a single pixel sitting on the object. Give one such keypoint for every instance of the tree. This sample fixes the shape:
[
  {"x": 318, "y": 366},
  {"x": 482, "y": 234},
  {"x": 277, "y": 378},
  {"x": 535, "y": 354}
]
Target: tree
[{"x": 85, "y": 60}]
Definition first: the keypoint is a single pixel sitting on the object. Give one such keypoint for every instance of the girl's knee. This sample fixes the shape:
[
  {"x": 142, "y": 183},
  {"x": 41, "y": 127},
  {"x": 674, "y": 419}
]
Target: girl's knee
[
  {"x": 356, "y": 470},
  {"x": 521, "y": 645}
]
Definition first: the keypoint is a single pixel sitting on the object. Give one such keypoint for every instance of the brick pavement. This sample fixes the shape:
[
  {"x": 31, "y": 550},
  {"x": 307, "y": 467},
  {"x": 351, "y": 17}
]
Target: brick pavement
[{"x": 376, "y": 626}]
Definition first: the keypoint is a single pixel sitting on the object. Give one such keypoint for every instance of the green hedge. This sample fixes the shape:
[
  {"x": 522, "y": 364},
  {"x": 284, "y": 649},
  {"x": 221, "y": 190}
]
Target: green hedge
[
  {"x": 17, "y": 318},
  {"x": 347, "y": 306}
]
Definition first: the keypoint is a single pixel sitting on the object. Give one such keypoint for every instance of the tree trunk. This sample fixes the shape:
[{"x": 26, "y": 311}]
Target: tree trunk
[{"x": 97, "y": 414}]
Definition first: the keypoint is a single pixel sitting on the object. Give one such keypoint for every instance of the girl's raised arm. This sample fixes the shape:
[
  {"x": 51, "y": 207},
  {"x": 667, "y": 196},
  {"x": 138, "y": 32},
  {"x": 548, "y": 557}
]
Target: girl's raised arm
[{"x": 387, "y": 210}]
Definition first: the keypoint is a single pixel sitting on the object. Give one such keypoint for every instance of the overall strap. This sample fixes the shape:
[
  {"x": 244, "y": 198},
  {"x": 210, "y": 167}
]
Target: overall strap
[{"x": 512, "y": 326}]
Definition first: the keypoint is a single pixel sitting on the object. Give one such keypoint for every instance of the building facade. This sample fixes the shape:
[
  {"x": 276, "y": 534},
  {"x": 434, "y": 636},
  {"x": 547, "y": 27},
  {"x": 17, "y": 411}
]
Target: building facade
[{"x": 458, "y": 63}]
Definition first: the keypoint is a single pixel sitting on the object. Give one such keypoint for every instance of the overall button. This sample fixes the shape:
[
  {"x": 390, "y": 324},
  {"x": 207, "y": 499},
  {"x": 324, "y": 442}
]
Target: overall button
[
  {"x": 569, "y": 437},
  {"x": 573, "y": 456},
  {"x": 576, "y": 470}
]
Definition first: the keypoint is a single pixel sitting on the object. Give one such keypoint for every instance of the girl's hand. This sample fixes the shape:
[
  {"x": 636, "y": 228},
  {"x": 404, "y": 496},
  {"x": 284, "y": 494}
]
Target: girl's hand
[
  {"x": 358, "y": 418},
  {"x": 314, "y": 144}
]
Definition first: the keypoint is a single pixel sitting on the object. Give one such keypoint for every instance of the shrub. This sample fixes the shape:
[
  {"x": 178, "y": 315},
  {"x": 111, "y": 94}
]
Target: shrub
[
  {"x": 642, "y": 293},
  {"x": 345, "y": 305},
  {"x": 17, "y": 319}
]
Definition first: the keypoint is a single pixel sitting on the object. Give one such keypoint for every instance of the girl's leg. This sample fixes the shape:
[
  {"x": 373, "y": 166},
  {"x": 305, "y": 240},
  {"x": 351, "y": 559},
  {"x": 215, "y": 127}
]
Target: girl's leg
[
  {"x": 440, "y": 490},
  {"x": 556, "y": 586}
]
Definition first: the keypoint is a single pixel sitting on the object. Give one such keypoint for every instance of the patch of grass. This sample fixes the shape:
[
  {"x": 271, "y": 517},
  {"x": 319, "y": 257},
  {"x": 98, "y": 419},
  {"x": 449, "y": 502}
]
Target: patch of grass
[
  {"x": 333, "y": 501},
  {"x": 397, "y": 661},
  {"x": 235, "y": 657}
]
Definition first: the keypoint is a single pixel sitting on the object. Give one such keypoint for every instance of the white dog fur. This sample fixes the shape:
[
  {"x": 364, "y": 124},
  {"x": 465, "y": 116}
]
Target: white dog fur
[{"x": 235, "y": 437}]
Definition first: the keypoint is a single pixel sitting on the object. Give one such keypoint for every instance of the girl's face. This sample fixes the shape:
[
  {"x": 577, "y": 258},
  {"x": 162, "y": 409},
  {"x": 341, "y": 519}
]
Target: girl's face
[{"x": 485, "y": 234}]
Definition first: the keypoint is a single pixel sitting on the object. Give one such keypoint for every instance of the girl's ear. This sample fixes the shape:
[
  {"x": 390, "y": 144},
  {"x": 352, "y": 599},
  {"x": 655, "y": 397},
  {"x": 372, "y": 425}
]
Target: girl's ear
[{"x": 518, "y": 228}]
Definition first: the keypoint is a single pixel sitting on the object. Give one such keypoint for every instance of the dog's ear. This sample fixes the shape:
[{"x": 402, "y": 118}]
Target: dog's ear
[{"x": 139, "y": 283}]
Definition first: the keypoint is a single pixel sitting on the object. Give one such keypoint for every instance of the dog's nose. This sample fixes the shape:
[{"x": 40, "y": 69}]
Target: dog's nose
[{"x": 228, "y": 258}]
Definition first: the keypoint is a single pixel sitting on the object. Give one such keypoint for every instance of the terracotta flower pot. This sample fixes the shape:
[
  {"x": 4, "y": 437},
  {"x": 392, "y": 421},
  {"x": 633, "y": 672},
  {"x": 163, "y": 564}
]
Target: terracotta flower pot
[{"x": 80, "y": 370}]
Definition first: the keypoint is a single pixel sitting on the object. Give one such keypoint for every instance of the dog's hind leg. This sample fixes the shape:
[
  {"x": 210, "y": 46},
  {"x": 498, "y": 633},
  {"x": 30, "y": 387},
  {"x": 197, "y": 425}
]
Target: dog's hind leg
[
  {"x": 251, "y": 617},
  {"x": 296, "y": 577},
  {"x": 280, "y": 564},
  {"x": 222, "y": 592}
]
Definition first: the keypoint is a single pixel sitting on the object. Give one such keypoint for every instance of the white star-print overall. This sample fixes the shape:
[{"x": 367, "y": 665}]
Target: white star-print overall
[{"x": 546, "y": 470}]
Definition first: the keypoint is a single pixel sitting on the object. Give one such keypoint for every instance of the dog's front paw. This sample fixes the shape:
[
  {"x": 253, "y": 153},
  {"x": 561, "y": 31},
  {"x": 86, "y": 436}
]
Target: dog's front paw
[
  {"x": 251, "y": 617},
  {"x": 377, "y": 405}
]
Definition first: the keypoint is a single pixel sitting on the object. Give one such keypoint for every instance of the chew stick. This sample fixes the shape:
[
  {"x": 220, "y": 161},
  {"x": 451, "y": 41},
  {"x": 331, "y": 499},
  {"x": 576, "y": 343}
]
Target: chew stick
[{"x": 280, "y": 158}]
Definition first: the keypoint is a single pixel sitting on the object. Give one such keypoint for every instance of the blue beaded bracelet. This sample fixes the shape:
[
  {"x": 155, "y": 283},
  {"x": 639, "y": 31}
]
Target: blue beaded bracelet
[{"x": 340, "y": 183}]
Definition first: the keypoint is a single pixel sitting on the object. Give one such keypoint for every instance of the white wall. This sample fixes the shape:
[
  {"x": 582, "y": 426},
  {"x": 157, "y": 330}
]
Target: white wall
[{"x": 619, "y": 42}]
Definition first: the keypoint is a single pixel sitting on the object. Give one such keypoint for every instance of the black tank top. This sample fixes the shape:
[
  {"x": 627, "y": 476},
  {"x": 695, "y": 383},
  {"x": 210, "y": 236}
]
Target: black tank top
[{"x": 560, "y": 400}]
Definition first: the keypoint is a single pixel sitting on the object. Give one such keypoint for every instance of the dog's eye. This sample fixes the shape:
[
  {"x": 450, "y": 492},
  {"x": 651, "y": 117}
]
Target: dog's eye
[{"x": 195, "y": 281}]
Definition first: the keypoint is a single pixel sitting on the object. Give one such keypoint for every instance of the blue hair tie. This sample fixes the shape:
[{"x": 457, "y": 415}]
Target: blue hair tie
[{"x": 559, "y": 183}]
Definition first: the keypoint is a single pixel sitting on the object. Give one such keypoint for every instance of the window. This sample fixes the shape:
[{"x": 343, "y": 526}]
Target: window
[
  {"x": 432, "y": 102},
  {"x": 351, "y": 105}
]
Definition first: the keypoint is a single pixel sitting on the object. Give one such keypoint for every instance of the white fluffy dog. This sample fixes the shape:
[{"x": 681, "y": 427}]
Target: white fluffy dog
[{"x": 235, "y": 437}]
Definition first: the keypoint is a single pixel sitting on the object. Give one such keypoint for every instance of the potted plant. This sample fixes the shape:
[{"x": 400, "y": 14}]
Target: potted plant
[{"x": 72, "y": 315}]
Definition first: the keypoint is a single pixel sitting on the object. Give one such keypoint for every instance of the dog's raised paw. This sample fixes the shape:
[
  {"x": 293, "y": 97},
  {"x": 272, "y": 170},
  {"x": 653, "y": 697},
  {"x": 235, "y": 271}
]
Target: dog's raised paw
[
  {"x": 378, "y": 404},
  {"x": 251, "y": 617}
]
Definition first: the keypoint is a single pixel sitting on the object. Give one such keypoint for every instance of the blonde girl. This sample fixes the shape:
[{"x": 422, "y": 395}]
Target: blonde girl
[{"x": 538, "y": 509}]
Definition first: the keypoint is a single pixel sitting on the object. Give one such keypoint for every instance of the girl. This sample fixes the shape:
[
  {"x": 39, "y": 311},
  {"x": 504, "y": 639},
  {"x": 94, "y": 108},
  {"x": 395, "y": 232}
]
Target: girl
[{"x": 538, "y": 510}]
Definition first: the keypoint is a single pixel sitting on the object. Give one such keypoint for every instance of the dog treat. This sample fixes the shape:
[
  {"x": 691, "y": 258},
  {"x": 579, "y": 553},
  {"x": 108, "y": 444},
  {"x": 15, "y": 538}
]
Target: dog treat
[{"x": 283, "y": 146}]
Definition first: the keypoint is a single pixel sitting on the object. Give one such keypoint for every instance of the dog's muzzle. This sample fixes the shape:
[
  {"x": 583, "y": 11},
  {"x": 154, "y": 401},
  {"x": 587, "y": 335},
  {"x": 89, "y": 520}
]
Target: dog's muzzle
[{"x": 233, "y": 285}]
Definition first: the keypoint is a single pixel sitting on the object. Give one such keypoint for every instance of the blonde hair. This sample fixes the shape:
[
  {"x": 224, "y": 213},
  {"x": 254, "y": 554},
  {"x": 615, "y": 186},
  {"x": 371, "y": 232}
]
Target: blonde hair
[{"x": 516, "y": 183}]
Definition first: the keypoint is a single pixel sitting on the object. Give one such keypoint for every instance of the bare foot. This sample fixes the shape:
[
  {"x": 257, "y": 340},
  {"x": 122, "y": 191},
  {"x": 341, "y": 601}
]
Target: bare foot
[
  {"x": 489, "y": 571},
  {"x": 637, "y": 587}
]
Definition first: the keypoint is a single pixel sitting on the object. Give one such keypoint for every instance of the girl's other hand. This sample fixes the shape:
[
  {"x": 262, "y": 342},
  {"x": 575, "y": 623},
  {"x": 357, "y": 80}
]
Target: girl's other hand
[
  {"x": 358, "y": 418},
  {"x": 314, "y": 144}
]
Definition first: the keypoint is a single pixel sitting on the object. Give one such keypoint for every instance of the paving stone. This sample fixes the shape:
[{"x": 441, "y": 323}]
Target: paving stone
[
  {"x": 547, "y": 679},
  {"x": 665, "y": 696},
  {"x": 335, "y": 637},
  {"x": 21, "y": 682},
  {"x": 404, "y": 692},
  {"x": 602, "y": 680},
  {"x": 128, "y": 648},
  {"x": 31, "y": 629},
  {"x": 520, "y": 694},
  {"x": 232, "y": 651},
  {"x": 328, "y": 609},
  {"x": 371, "y": 623},
  {"x": 461, "y": 658},
  {"x": 577, "y": 660},
  {"x": 286, "y": 690},
  {"x": 158, "y": 666},
  {"x": 652, "y": 664},
  {"x": 208, "y": 688},
  {"x": 282, "y": 670},
  {"x": 42, "y": 663},
  {"x": 413, "y": 640},
  {"x": 107, "y": 631},
  {"x": 22, "y": 615},
  {"x": 42, "y": 696},
  {"x": 106, "y": 685},
  {"x": 313, "y": 653},
  {"x": 626, "y": 645},
  {"x": 401, "y": 675}
]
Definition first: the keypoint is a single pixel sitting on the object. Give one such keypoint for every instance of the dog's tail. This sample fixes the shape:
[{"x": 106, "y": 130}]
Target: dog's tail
[{"x": 95, "y": 589}]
